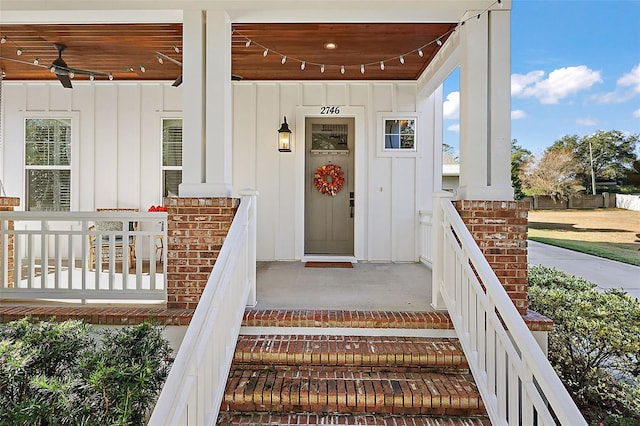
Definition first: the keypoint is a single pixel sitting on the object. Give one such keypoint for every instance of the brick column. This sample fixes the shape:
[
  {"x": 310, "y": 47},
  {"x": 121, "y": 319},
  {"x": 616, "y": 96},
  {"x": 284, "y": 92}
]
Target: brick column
[
  {"x": 500, "y": 229},
  {"x": 196, "y": 229},
  {"x": 7, "y": 204}
]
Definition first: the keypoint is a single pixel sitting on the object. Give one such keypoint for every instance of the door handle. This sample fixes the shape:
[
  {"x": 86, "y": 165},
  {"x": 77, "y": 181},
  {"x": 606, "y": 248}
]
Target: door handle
[{"x": 351, "y": 204}]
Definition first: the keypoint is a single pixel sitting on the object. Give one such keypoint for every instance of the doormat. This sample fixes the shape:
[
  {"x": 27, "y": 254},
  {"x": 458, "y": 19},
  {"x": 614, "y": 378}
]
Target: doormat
[{"x": 328, "y": 265}]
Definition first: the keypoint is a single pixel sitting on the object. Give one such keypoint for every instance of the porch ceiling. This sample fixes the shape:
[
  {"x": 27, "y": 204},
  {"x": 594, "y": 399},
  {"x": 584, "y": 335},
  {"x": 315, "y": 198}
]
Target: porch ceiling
[{"x": 121, "y": 49}]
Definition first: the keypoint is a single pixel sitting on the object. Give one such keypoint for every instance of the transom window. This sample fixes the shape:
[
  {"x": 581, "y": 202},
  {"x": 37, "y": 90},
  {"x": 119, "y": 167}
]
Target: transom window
[
  {"x": 171, "y": 156},
  {"x": 48, "y": 164}
]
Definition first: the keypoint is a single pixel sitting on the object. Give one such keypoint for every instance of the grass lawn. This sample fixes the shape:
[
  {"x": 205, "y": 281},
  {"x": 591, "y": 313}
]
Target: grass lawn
[{"x": 608, "y": 233}]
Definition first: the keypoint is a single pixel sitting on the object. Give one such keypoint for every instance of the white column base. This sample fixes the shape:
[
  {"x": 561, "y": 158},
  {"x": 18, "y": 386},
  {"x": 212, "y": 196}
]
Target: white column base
[
  {"x": 205, "y": 190},
  {"x": 469, "y": 192}
]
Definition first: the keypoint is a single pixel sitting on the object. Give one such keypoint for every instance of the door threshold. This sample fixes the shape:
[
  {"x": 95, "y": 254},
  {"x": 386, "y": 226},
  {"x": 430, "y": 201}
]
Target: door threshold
[{"x": 328, "y": 258}]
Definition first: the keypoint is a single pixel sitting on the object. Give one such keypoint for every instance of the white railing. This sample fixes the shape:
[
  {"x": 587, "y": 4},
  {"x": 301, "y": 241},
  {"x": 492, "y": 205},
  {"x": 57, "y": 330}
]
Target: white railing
[
  {"x": 424, "y": 237},
  {"x": 194, "y": 389},
  {"x": 64, "y": 255},
  {"x": 515, "y": 379}
]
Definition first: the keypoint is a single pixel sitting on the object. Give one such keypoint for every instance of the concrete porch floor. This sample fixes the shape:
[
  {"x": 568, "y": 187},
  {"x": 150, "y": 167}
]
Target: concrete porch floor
[{"x": 366, "y": 286}]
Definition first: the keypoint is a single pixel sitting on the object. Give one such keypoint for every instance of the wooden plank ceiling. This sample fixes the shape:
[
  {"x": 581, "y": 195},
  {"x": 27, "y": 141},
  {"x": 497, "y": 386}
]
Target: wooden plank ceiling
[{"x": 125, "y": 50}]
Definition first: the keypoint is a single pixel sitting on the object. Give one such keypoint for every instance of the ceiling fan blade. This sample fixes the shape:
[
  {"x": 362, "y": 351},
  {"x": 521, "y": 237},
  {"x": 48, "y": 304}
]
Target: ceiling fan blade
[
  {"x": 178, "y": 81},
  {"x": 65, "y": 80}
]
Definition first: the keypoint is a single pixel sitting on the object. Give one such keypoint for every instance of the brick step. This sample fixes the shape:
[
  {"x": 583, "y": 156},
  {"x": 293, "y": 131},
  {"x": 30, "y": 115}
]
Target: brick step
[
  {"x": 237, "y": 419},
  {"x": 357, "y": 351},
  {"x": 345, "y": 390},
  {"x": 346, "y": 319}
]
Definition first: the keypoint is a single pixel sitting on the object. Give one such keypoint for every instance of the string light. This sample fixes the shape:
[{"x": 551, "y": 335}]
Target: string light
[
  {"x": 19, "y": 51},
  {"x": 176, "y": 48},
  {"x": 110, "y": 76},
  {"x": 91, "y": 77},
  {"x": 401, "y": 58},
  {"x": 36, "y": 61},
  {"x": 160, "y": 60},
  {"x": 3, "y": 40},
  {"x": 142, "y": 68},
  {"x": 53, "y": 68},
  {"x": 72, "y": 74},
  {"x": 3, "y": 74}
]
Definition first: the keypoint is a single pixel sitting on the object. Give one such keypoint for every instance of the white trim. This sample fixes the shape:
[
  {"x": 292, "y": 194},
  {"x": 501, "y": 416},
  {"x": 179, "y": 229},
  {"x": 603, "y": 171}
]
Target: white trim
[
  {"x": 74, "y": 116},
  {"x": 319, "y": 258},
  {"x": 360, "y": 162},
  {"x": 381, "y": 151}
]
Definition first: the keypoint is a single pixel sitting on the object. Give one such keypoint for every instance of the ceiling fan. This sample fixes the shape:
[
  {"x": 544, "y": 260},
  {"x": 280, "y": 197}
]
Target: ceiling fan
[
  {"x": 64, "y": 73},
  {"x": 178, "y": 80}
]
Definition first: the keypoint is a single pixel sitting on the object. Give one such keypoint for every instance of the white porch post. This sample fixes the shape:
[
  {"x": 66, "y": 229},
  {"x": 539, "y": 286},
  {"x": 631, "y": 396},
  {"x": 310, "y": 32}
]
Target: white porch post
[
  {"x": 207, "y": 145},
  {"x": 485, "y": 108}
]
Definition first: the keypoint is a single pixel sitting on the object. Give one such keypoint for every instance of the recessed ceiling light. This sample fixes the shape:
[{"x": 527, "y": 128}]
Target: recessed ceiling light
[{"x": 330, "y": 45}]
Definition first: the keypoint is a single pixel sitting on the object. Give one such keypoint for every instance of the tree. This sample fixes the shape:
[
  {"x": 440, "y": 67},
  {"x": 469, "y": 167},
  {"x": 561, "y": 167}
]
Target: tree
[
  {"x": 519, "y": 158},
  {"x": 613, "y": 154},
  {"x": 555, "y": 174}
]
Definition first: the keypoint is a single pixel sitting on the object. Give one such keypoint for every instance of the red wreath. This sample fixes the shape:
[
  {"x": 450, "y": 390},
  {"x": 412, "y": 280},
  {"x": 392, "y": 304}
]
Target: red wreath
[{"x": 328, "y": 179}]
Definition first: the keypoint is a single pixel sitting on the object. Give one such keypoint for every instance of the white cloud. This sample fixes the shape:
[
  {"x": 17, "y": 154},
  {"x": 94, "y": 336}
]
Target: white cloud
[
  {"x": 520, "y": 81},
  {"x": 636, "y": 113},
  {"x": 631, "y": 79},
  {"x": 627, "y": 87},
  {"x": 454, "y": 128},
  {"x": 560, "y": 83},
  {"x": 517, "y": 114},
  {"x": 586, "y": 122},
  {"x": 451, "y": 106}
]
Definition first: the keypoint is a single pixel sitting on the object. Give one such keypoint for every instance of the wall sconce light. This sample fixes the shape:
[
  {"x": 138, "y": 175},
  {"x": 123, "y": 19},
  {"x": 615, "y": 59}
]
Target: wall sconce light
[{"x": 284, "y": 137}]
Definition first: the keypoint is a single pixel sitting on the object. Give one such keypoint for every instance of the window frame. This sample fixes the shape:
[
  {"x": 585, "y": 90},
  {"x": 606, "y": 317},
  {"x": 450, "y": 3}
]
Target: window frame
[
  {"x": 164, "y": 168},
  {"x": 383, "y": 151},
  {"x": 73, "y": 116}
]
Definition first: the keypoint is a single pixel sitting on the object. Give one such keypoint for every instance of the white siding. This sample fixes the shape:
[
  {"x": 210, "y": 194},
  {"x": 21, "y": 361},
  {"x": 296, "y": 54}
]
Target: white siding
[
  {"x": 392, "y": 185},
  {"x": 117, "y": 157}
]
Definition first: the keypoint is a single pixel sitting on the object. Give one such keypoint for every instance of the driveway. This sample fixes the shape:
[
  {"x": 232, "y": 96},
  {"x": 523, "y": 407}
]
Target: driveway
[{"x": 602, "y": 272}]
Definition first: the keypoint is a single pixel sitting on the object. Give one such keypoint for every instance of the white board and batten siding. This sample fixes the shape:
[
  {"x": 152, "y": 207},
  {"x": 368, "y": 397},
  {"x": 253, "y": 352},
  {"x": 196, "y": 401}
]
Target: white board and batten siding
[
  {"x": 116, "y": 137},
  {"x": 117, "y": 153},
  {"x": 390, "y": 190}
]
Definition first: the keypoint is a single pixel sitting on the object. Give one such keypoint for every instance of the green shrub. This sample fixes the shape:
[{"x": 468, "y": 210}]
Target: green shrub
[
  {"x": 595, "y": 345},
  {"x": 69, "y": 374}
]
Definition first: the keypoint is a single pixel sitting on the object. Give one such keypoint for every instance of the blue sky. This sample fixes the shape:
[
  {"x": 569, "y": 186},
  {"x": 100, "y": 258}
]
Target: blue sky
[{"x": 575, "y": 69}]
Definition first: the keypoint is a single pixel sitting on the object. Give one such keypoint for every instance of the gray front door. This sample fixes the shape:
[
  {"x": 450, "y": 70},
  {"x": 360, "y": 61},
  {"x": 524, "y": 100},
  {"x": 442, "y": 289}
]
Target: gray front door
[{"x": 329, "y": 216}]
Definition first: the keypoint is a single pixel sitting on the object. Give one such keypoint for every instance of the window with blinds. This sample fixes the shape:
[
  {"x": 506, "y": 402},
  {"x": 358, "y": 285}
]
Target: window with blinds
[
  {"x": 171, "y": 156},
  {"x": 48, "y": 164}
]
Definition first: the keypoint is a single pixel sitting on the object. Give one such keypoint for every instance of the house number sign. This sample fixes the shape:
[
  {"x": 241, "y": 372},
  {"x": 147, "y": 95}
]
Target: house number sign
[{"x": 329, "y": 110}]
